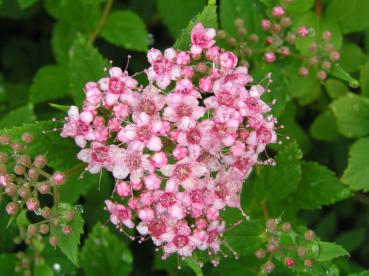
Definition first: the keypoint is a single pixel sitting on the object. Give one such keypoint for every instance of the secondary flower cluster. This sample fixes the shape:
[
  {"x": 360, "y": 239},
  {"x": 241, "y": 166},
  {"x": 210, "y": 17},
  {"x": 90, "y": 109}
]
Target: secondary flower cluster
[
  {"x": 179, "y": 148},
  {"x": 26, "y": 182},
  {"x": 281, "y": 38},
  {"x": 284, "y": 244}
]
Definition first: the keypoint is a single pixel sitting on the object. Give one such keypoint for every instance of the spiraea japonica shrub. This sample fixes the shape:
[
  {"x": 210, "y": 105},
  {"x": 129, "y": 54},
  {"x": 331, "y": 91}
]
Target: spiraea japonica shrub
[{"x": 235, "y": 145}]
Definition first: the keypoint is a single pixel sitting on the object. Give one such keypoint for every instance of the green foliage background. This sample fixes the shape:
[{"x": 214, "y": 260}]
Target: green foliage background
[{"x": 50, "y": 48}]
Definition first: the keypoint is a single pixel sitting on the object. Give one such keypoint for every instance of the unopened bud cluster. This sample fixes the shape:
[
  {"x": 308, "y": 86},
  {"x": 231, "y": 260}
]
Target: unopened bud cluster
[
  {"x": 281, "y": 38},
  {"x": 284, "y": 244},
  {"x": 26, "y": 182}
]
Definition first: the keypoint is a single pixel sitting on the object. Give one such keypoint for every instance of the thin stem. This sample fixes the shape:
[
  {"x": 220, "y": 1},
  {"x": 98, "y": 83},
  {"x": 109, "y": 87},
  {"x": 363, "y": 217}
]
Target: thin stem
[
  {"x": 56, "y": 203},
  {"x": 100, "y": 24},
  {"x": 318, "y": 8},
  {"x": 265, "y": 210}
]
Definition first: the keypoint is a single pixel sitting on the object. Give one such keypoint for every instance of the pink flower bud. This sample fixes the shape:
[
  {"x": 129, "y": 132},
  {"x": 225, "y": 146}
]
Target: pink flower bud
[
  {"x": 32, "y": 204},
  {"x": 205, "y": 84},
  {"x": 303, "y": 31},
  {"x": 269, "y": 57},
  {"x": 123, "y": 189},
  {"x": 12, "y": 208},
  {"x": 290, "y": 262},
  {"x": 265, "y": 24},
  {"x": 58, "y": 178},
  {"x": 228, "y": 60},
  {"x": 277, "y": 11}
]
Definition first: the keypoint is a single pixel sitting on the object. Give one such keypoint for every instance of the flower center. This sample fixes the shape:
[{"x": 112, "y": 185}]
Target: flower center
[
  {"x": 182, "y": 172},
  {"x": 144, "y": 133},
  {"x": 116, "y": 86},
  {"x": 183, "y": 110},
  {"x": 167, "y": 199},
  {"x": 133, "y": 162},
  {"x": 147, "y": 106},
  {"x": 193, "y": 136},
  {"x": 180, "y": 241}
]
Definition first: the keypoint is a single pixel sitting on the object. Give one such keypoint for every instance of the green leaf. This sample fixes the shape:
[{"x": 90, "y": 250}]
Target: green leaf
[
  {"x": 364, "y": 79},
  {"x": 277, "y": 182},
  {"x": 24, "y": 4},
  {"x": 324, "y": 127},
  {"x": 318, "y": 187},
  {"x": 18, "y": 116},
  {"x": 352, "y": 239},
  {"x": 50, "y": 83},
  {"x": 208, "y": 17},
  {"x": 60, "y": 107},
  {"x": 125, "y": 29},
  {"x": 336, "y": 88},
  {"x": 338, "y": 72},
  {"x": 357, "y": 173},
  {"x": 42, "y": 269},
  {"x": 177, "y": 13},
  {"x": 69, "y": 244},
  {"x": 194, "y": 265},
  {"x": 299, "y": 6},
  {"x": 85, "y": 64},
  {"x": 352, "y": 16},
  {"x": 60, "y": 152},
  {"x": 8, "y": 263},
  {"x": 247, "y": 237},
  {"x": 352, "y": 57},
  {"x": 329, "y": 251},
  {"x": 352, "y": 115},
  {"x": 229, "y": 10},
  {"x": 75, "y": 187},
  {"x": 81, "y": 14},
  {"x": 63, "y": 36},
  {"x": 305, "y": 89},
  {"x": 104, "y": 254}
]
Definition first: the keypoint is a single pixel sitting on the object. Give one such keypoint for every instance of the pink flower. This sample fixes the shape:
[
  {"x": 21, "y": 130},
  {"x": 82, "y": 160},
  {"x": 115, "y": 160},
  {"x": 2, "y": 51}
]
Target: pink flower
[
  {"x": 201, "y": 39},
  {"x": 228, "y": 60},
  {"x": 277, "y": 11},
  {"x": 119, "y": 214},
  {"x": 303, "y": 31},
  {"x": 269, "y": 57},
  {"x": 180, "y": 106}
]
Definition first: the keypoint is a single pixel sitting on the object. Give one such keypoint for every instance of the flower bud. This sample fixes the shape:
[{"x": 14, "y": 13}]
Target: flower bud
[
  {"x": 303, "y": 71},
  {"x": 19, "y": 170},
  {"x": 321, "y": 75},
  {"x": 272, "y": 247},
  {"x": 33, "y": 173},
  {"x": 253, "y": 38},
  {"x": 239, "y": 22},
  {"x": 12, "y": 208},
  {"x": 221, "y": 34},
  {"x": 260, "y": 253},
  {"x": 268, "y": 267},
  {"x": 69, "y": 215},
  {"x": 309, "y": 235},
  {"x": 43, "y": 187},
  {"x": 67, "y": 229},
  {"x": 46, "y": 212},
  {"x": 286, "y": 21},
  {"x": 335, "y": 56},
  {"x": 40, "y": 161},
  {"x": 308, "y": 263},
  {"x": 271, "y": 224},
  {"x": 265, "y": 24},
  {"x": 3, "y": 157},
  {"x": 33, "y": 204},
  {"x": 53, "y": 240},
  {"x": 27, "y": 137},
  {"x": 290, "y": 262},
  {"x": 301, "y": 251},
  {"x": 11, "y": 189},
  {"x": 24, "y": 192},
  {"x": 291, "y": 38},
  {"x": 232, "y": 41},
  {"x": 58, "y": 178},
  {"x": 269, "y": 57},
  {"x": 43, "y": 229},
  {"x": 326, "y": 65},
  {"x": 286, "y": 227},
  {"x": 313, "y": 61},
  {"x": 277, "y": 11},
  {"x": 4, "y": 139},
  {"x": 32, "y": 229},
  {"x": 276, "y": 28},
  {"x": 327, "y": 35}
]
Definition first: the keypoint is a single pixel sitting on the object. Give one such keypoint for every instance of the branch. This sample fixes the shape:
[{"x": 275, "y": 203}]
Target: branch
[{"x": 100, "y": 24}]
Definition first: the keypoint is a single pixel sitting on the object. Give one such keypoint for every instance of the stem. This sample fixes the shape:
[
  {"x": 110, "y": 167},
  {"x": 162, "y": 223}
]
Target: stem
[
  {"x": 56, "y": 204},
  {"x": 77, "y": 168},
  {"x": 100, "y": 24},
  {"x": 265, "y": 210},
  {"x": 318, "y": 8}
]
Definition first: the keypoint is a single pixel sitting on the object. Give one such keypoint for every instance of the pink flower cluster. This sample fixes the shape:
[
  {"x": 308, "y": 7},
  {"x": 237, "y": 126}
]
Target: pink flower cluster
[{"x": 179, "y": 148}]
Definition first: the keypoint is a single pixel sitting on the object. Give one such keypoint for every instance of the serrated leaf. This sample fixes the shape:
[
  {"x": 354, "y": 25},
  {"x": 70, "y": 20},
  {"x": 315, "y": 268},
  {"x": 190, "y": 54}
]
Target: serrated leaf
[
  {"x": 352, "y": 16},
  {"x": 60, "y": 152},
  {"x": 324, "y": 127},
  {"x": 246, "y": 237},
  {"x": 24, "y": 4},
  {"x": 229, "y": 10},
  {"x": 104, "y": 254},
  {"x": 352, "y": 115},
  {"x": 50, "y": 83},
  {"x": 18, "y": 116},
  {"x": 318, "y": 187},
  {"x": 364, "y": 80},
  {"x": 277, "y": 182},
  {"x": 69, "y": 244},
  {"x": 356, "y": 176},
  {"x": 329, "y": 251},
  {"x": 300, "y": 6},
  {"x": 305, "y": 89},
  {"x": 83, "y": 15},
  {"x": 208, "y": 17},
  {"x": 336, "y": 88},
  {"x": 63, "y": 36},
  {"x": 125, "y": 29},
  {"x": 177, "y": 13},
  {"x": 85, "y": 64}
]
